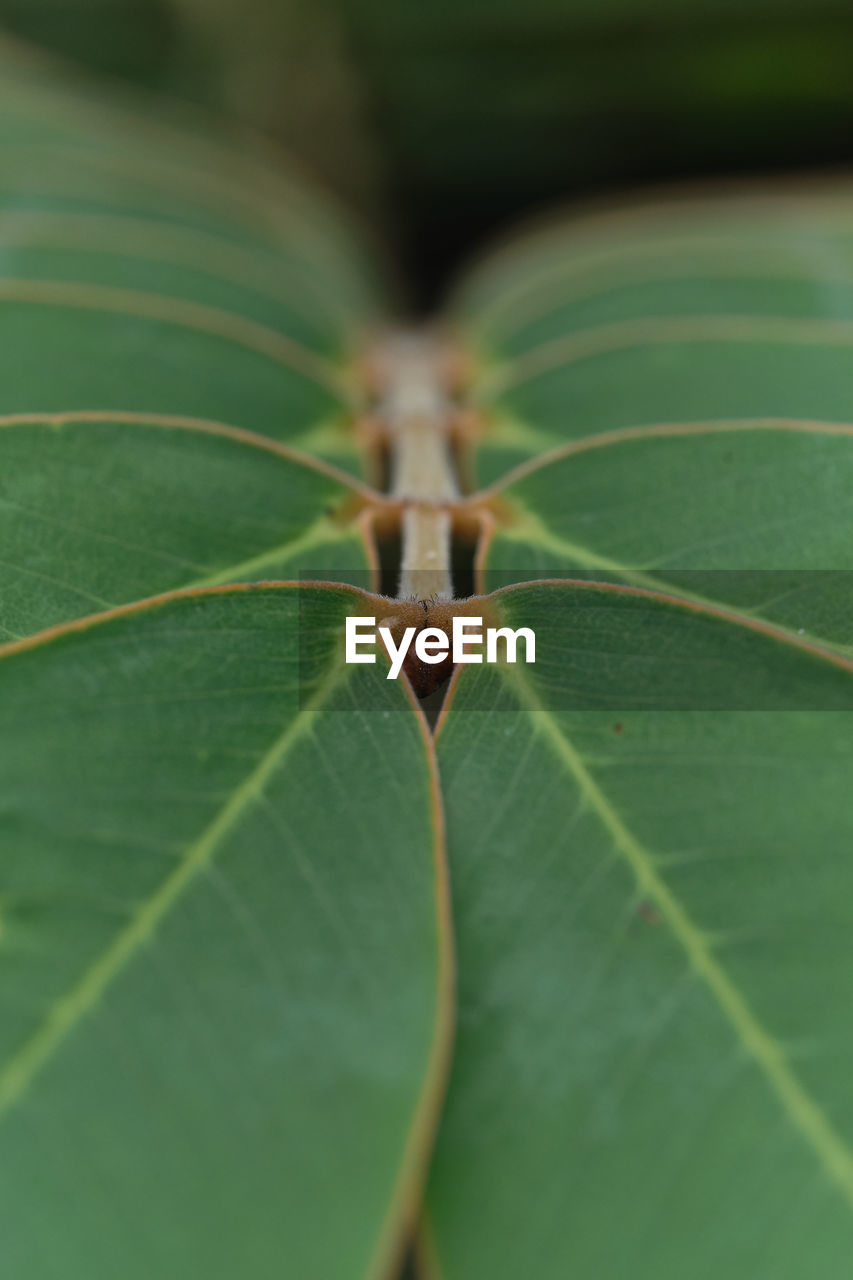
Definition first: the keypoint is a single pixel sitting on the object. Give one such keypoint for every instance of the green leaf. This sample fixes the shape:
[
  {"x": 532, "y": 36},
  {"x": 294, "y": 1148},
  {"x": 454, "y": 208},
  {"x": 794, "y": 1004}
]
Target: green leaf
[
  {"x": 653, "y": 917},
  {"x": 164, "y": 304},
  {"x": 689, "y": 431},
  {"x": 225, "y": 970},
  {"x": 737, "y": 310},
  {"x": 224, "y": 926},
  {"x": 96, "y": 510},
  {"x": 154, "y": 360},
  {"x": 648, "y": 829},
  {"x": 219, "y": 288},
  {"x": 748, "y": 514},
  {"x": 592, "y": 95}
]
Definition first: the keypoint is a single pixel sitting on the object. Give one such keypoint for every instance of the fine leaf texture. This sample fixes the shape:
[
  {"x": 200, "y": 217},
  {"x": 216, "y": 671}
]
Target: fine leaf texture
[
  {"x": 221, "y": 992},
  {"x": 653, "y": 922},
  {"x": 97, "y": 510}
]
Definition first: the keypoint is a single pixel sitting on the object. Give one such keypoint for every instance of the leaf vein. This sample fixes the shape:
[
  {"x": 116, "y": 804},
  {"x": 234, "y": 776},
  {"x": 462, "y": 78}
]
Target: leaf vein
[
  {"x": 82, "y": 998},
  {"x": 801, "y": 1109}
]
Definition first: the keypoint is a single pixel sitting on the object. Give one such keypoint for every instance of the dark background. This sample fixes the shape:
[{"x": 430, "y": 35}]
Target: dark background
[{"x": 445, "y": 120}]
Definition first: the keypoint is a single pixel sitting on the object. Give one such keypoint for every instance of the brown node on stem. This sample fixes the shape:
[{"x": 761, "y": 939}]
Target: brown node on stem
[{"x": 397, "y": 615}]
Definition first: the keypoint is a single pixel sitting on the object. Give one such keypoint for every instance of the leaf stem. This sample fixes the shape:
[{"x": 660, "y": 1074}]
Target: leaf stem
[{"x": 415, "y": 409}]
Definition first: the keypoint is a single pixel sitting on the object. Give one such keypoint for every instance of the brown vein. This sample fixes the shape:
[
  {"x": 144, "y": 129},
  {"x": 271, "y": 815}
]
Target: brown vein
[
  {"x": 658, "y": 430},
  {"x": 205, "y": 426},
  {"x": 196, "y": 250},
  {"x": 691, "y": 605},
  {"x": 61, "y": 629},
  {"x": 22, "y": 1068},
  {"x": 188, "y": 315},
  {"x": 649, "y": 331},
  {"x": 52, "y": 100},
  {"x": 207, "y": 190},
  {"x": 812, "y": 207},
  {"x": 407, "y": 1197},
  {"x": 550, "y": 291}
]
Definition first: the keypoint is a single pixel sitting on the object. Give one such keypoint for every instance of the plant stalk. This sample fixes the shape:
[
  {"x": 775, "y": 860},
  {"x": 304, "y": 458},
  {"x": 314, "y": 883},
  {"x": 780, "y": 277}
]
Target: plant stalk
[{"x": 416, "y": 409}]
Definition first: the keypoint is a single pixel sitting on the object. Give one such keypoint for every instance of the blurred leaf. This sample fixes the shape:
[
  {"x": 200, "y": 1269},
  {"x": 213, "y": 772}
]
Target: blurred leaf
[
  {"x": 395, "y": 105},
  {"x": 589, "y": 95},
  {"x": 400, "y": 99},
  {"x": 288, "y": 67},
  {"x": 674, "y": 387},
  {"x": 170, "y": 314},
  {"x": 222, "y": 289}
]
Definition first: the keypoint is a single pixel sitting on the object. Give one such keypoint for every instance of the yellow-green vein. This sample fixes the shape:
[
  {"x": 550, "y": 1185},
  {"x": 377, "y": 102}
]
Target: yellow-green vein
[
  {"x": 799, "y": 1106},
  {"x": 322, "y": 532},
  {"x": 531, "y": 531},
  {"x": 67, "y": 1012}
]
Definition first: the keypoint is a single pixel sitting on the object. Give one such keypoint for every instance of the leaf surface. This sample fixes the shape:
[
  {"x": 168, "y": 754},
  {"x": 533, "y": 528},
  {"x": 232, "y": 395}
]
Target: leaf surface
[
  {"x": 726, "y": 310},
  {"x": 652, "y": 905},
  {"x": 225, "y": 971},
  {"x": 753, "y": 515},
  {"x": 651, "y": 886},
  {"x": 96, "y": 511},
  {"x": 665, "y": 401},
  {"x": 225, "y": 968},
  {"x": 148, "y": 267}
]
